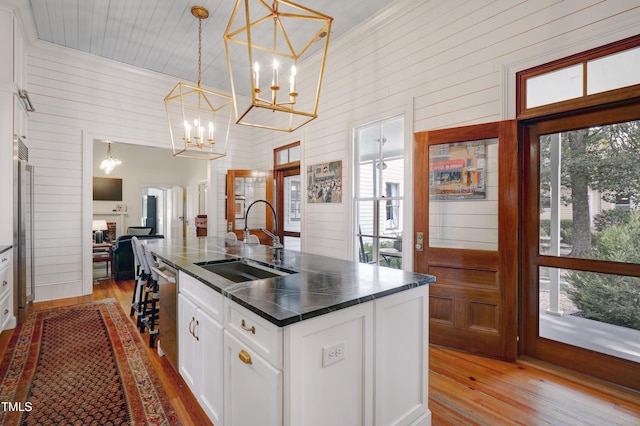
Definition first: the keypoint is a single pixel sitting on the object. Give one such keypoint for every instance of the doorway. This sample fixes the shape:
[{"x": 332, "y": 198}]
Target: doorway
[
  {"x": 581, "y": 251},
  {"x": 163, "y": 210},
  {"x": 466, "y": 183},
  {"x": 288, "y": 186}
]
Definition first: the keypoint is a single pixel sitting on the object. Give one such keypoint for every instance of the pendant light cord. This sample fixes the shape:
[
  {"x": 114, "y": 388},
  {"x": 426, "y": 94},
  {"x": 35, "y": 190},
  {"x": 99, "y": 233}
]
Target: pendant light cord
[{"x": 199, "y": 51}]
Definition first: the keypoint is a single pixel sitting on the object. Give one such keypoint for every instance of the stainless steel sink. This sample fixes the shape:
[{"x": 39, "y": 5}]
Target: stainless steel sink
[{"x": 242, "y": 270}]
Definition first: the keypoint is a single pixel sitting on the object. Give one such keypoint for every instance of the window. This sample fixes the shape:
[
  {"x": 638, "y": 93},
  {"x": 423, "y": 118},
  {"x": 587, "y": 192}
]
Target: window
[
  {"x": 580, "y": 218},
  {"x": 392, "y": 191},
  {"x": 379, "y": 191},
  {"x": 586, "y": 79},
  {"x": 288, "y": 184}
]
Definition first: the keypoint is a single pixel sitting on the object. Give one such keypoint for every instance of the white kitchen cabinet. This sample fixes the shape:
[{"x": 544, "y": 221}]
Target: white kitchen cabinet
[
  {"x": 6, "y": 291},
  {"x": 366, "y": 364},
  {"x": 329, "y": 373},
  {"x": 253, "y": 386},
  {"x": 200, "y": 346},
  {"x": 401, "y": 358}
]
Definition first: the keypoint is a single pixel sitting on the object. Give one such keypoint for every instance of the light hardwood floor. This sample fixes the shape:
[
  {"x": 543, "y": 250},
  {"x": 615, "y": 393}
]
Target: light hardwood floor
[{"x": 464, "y": 389}]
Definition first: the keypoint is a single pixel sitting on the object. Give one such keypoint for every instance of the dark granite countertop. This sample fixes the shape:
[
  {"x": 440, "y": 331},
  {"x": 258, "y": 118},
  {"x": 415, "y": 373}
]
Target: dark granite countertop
[
  {"x": 4, "y": 248},
  {"x": 321, "y": 284}
]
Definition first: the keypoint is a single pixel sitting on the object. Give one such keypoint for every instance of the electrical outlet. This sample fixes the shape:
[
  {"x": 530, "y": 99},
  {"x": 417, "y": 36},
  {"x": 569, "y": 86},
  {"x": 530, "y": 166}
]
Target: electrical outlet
[{"x": 333, "y": 354}]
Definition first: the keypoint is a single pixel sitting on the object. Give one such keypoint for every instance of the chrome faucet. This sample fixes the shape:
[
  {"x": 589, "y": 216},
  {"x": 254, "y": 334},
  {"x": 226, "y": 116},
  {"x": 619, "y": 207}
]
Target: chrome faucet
[{"x": 276, "y": 245}]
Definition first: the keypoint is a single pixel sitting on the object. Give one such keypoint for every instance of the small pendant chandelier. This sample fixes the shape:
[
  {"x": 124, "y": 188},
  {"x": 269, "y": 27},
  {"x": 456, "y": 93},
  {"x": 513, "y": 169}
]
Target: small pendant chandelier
[
  {"x": 268, "y": 44},
  {"x": 199, "y": 120},
  {"x": 110, "y": 162}
]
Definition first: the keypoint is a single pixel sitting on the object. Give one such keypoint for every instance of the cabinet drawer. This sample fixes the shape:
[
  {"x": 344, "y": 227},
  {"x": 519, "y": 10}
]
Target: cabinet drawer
[
  {"x": 6, "y": 307},
  {"x": 259, "y": 334},
  {"x": 207, "y": 298},
  {"x": 5, "y": 259},
  {"x": 252, "y": 386},
  {"x": 6, "y": 280}
]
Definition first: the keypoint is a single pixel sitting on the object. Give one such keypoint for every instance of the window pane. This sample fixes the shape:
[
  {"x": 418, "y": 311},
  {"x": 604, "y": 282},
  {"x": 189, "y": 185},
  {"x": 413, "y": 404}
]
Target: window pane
[
  {"x": 613, "y": 71},
  {"x": 366, "y": 217},
  {"x": 392, "y": 173},
  {"x": 369, "y": 165},
  {"x": 463, "y": 200},
  {"x": 591, "y": 310},
  {"x": 591, "y": 209},
  {"x": 292, "y": 206},
  {"x": 294, "y": 153},
  {"x": 282, "y": 157},
  {"x": 390, "y": 252},
  {"x": 555, "y": 86},
  {"x": 365, "y": 250}
]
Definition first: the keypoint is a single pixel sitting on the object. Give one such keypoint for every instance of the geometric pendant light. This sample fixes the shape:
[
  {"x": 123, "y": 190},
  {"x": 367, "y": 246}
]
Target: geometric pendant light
[
  {"x": 199, "y": 119},
  {"x": 276, "y": 55}
]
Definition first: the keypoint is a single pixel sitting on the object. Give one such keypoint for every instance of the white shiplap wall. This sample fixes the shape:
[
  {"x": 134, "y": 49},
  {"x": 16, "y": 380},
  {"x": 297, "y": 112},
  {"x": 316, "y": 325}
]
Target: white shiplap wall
[
  {"x": 441, "y": 63},
  {"x": 78, "y": 95},
  {"x": 450, "y": 63}
]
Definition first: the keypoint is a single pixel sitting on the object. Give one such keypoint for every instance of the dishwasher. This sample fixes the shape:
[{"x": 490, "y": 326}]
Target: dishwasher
[{"x": 167, "y": 343}]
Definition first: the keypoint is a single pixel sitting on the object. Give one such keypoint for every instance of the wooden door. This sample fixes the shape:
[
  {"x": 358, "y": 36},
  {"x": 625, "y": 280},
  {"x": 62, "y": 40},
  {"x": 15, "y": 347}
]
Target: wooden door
[
  {"x": 244, "y": 187},
  {"x": 580, "y": 277},
  {"x": 466, "y": 185}
]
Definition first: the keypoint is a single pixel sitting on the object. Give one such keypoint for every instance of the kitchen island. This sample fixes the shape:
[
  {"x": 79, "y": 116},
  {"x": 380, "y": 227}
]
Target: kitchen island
[{"x": 319, "y": 341}]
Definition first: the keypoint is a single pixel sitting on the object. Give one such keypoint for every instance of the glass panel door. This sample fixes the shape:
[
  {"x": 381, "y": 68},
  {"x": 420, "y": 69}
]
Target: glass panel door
[
  {"x": 581, "y": 245},
  {"x": 589, "y": 209}
]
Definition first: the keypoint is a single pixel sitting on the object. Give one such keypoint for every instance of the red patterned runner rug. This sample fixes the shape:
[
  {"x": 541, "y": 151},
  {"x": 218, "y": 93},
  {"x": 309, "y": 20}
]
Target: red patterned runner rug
[{"x": 82, "y": 364}]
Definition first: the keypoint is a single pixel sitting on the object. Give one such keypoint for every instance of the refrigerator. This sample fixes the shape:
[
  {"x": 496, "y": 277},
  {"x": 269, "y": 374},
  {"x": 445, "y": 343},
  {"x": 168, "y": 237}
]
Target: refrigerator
[{"x": 23, "y": 230}]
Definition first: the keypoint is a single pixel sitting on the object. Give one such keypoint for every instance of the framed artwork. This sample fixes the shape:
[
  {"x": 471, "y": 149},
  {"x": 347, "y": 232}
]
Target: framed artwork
[
  {"x": 458, "y": 171},
  {"x": 239, "y": 186},
  {"x": 239, "y": 208},
  {"x": 324, "y": 183}
]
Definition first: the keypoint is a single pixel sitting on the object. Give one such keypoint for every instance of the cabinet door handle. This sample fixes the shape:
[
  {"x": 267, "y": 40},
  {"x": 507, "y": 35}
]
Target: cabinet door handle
[
  {"x": 244, "y": 327},
  {"x": 245, "y": 357},
  {"x": 4, "y": 259},
  {"x": 194, "y": 330},
  {"x": 4, "y": 283},
  {"x": 190, "y": 323},
  {"x": 6, "y": 311}
]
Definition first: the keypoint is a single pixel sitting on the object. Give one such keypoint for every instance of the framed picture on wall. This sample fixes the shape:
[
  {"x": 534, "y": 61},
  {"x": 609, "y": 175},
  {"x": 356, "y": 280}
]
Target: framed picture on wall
[
  {"x": 239, "y": 186},
  {"x": 239, "y": 208},
  {"x": 457, "y": 171},
  {"x": 324, "y": 183}
]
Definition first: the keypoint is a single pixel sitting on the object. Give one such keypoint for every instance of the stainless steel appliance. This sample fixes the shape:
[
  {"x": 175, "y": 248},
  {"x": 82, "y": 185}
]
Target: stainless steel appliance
[{"x": 23, "y": 230}]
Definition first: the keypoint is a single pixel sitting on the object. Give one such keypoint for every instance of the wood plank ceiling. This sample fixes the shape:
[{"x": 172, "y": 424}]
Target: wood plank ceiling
[{"x": 162, "y": 35}]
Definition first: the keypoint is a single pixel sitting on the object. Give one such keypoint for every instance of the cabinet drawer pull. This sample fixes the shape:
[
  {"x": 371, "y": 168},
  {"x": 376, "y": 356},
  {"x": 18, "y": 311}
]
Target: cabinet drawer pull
[
  {"x": 6, "y": 311},
  {"x": 244, "y": 327},
  {"x": 190, "y": 325},
  {"x": 194, "y": 330},
  {"x": 4, "y": 259},
  {"x": 245, "y": 357},
  {"x": 4, "y": 283}
]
